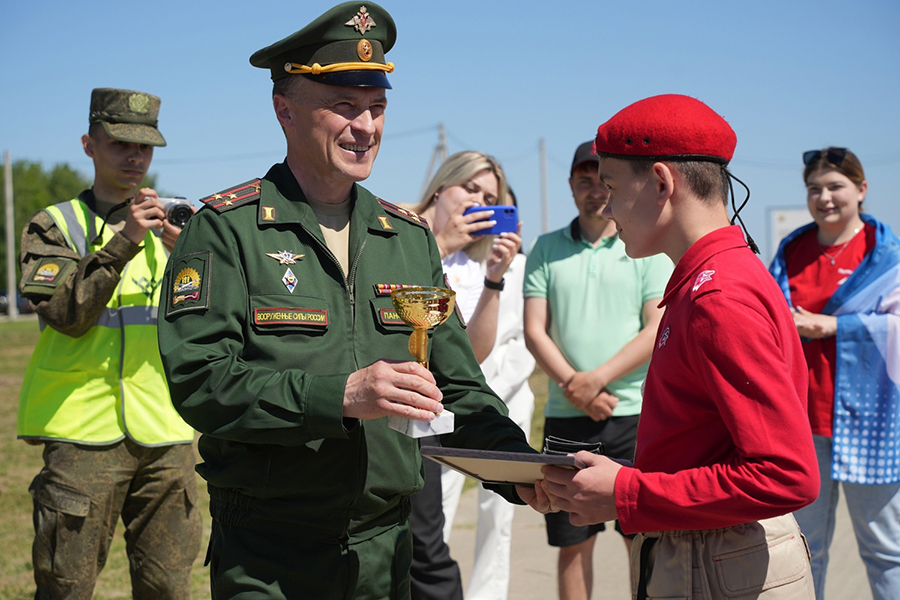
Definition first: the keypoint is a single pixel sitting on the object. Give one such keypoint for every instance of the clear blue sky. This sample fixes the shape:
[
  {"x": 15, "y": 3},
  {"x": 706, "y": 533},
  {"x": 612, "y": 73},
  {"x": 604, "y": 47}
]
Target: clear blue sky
[{"x": 788, "y": 76}]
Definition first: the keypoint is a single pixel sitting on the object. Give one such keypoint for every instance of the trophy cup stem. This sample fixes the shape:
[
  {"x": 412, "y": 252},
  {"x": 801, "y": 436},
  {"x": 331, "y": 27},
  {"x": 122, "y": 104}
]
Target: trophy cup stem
[
  {"x": 422, "y": 308},
  {"x": 418, "y": 346}
]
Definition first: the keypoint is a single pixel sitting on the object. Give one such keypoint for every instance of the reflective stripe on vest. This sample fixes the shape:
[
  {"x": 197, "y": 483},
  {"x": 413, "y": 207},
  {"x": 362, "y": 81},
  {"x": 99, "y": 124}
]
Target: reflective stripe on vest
[{"x": 109, "y": 382}]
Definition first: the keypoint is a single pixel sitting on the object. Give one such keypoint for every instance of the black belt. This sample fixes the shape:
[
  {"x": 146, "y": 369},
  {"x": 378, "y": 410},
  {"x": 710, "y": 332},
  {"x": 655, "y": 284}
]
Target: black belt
[{"x": 643, "y": 570}]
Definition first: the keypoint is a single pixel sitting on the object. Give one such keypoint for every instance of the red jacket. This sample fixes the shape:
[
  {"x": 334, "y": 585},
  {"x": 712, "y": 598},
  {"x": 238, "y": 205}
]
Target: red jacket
[{"x": 724, "y": 437}]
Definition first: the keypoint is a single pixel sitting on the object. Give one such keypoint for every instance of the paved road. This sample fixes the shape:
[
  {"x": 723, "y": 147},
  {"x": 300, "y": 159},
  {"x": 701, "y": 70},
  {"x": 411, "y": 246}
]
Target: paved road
[{"x": 534, "y": 562}]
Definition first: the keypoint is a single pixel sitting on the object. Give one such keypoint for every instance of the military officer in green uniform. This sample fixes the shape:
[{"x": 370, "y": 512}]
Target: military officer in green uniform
[
  {"x": 282, "y": 347},
  {"x": 94, "y": 393}
]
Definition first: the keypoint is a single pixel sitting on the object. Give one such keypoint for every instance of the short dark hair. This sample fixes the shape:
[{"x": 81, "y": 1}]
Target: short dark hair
[
  {"x": 709, "y": 181},
  {"x": 288, "y": 87},
  {"x": 589, "y": 166}
]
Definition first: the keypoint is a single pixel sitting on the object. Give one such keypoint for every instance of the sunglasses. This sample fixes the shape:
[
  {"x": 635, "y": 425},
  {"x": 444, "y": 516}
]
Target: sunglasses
[{"x": 834, "y": 156}]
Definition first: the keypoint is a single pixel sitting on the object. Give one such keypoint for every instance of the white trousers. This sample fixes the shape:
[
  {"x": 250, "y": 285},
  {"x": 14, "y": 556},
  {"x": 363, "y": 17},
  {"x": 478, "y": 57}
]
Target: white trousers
[{"x": 493, "y": 533}]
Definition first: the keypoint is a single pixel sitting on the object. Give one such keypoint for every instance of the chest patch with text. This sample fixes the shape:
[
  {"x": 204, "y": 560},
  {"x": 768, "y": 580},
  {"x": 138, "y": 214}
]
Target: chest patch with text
[{"x": 290, "y": 316}]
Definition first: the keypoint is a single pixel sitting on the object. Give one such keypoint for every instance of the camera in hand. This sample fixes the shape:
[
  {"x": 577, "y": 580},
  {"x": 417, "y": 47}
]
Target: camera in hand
[{"x": 178, "y": 210}]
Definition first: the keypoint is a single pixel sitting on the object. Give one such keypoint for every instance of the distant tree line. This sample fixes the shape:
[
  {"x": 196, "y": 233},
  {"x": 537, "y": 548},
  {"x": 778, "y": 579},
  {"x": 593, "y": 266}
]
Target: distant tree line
[{"x": 35, "y": 188}]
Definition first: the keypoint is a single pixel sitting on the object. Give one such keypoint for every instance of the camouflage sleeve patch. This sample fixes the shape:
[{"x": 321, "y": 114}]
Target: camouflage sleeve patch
[
  {"x": 188, "y": 288},
  {"x": 406, "y": 215},
  {"x": 233, "y": 197},
  {"x": 48, "y": 274}
]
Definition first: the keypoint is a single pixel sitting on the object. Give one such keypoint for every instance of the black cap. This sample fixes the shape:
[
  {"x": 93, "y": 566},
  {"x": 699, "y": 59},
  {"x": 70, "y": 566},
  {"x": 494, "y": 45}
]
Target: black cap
[
  {"x": 344, "y": 46},
  {"x": 584, "y": 153}
]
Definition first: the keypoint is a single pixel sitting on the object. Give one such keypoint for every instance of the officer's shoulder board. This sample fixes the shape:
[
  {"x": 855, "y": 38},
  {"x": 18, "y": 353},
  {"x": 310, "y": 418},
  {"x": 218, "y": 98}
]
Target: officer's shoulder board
[
  {"x": 406, "y": 215},
  {"x": 233, "y": 197}
]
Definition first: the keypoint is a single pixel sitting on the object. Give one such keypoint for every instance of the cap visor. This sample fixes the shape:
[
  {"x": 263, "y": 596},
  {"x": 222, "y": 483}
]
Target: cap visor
[
  {"x": 134, "y": 133},
  {"x": 354, "y": 79}
]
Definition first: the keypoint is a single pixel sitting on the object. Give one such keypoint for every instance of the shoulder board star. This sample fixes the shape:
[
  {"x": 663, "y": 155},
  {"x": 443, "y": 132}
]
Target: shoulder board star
[
  {"x": 406, "y": 215},
  {"x": 233, "y": 197}
]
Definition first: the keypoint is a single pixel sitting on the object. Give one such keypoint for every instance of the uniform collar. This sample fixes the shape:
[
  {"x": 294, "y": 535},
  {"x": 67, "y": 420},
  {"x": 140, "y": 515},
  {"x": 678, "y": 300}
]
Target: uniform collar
[
  {"x": 714, "y": 242},
  {"x": 283, "y": 201}
]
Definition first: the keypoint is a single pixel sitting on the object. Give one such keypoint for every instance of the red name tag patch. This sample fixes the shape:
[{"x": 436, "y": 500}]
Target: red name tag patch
[
  {"x": 290, "y": 316},
  {"x": 389, "y": 316}
]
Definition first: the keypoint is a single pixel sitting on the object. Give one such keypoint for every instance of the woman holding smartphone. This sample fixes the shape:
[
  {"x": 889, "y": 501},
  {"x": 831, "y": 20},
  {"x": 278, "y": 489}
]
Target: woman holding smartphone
[{"x": 486, "y": 272}]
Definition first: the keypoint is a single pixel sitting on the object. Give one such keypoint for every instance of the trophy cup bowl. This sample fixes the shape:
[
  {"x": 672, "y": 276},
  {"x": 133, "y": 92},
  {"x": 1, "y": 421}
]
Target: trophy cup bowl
[{"x": 423, "y": 308}]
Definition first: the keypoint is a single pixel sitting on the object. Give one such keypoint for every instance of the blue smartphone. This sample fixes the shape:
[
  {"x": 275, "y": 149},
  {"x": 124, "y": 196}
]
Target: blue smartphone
[{"x": 506, "y": 217}]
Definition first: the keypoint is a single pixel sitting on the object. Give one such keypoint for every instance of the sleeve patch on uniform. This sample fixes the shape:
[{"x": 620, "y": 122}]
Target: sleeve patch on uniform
[
  {"x": 47, "y": 275},
  {"x": 190, "y": 283}
]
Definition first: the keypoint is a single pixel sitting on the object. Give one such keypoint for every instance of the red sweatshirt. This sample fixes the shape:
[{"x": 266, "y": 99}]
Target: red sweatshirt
[{"x": 724, "y": 437}]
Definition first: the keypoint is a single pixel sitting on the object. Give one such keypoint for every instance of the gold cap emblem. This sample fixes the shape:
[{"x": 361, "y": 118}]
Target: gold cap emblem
[{"x": 364, "y": 50}]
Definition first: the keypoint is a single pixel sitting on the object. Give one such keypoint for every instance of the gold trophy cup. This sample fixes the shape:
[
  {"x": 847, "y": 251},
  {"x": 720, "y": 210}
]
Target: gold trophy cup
[{"x": 423, "y": 308}]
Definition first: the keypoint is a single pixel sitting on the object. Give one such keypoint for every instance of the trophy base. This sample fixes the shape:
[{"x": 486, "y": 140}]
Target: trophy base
[{"x": 442, "y": 423}]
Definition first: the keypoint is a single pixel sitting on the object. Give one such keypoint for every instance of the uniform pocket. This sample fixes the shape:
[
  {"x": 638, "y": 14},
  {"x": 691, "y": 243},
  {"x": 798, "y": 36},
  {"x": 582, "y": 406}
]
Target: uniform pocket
[
  {"x": 752, "y": 570},
  {"x": 280, "y": 313},
  {"x": 60, "y": 522},
  {"x": 668, "y": 567},
  {"x": 60, "y": 499}
]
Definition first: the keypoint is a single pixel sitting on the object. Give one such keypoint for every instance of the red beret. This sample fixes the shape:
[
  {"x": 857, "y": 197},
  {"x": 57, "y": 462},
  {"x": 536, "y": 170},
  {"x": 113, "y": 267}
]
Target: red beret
[{"x": 670, "y": 126}]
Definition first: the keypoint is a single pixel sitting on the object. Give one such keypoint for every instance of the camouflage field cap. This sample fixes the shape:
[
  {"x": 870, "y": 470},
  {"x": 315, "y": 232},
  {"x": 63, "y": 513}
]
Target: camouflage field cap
[
  {"x": 127, "y": 116},
  {"x": 344, "y": 46}
]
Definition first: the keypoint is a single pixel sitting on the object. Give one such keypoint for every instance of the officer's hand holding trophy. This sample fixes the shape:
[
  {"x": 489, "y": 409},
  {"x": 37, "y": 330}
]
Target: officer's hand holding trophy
[
  {"x": 423, "y": 308},
  {"x": 406, "y": 392}
]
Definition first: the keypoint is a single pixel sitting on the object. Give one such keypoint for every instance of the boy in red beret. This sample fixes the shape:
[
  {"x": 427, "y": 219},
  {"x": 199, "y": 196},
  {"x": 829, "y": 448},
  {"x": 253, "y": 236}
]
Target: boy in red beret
[{"x": 724, "y": 451}]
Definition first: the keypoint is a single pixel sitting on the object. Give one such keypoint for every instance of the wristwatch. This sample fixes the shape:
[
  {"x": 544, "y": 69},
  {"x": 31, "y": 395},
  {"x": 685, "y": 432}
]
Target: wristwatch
[{"x": 494, "y": 285}]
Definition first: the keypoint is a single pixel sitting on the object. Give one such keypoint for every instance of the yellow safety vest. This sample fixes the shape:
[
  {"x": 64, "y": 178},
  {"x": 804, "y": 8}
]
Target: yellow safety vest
[{"x": 108, "y": 383}]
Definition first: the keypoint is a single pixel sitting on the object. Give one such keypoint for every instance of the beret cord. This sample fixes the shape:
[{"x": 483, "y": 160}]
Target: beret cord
[{"x": 737, "y": 209}]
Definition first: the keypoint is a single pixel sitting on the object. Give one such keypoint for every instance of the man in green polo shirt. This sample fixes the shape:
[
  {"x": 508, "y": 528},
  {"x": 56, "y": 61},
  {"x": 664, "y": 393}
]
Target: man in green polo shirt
[{"x": 590, "y": 319}]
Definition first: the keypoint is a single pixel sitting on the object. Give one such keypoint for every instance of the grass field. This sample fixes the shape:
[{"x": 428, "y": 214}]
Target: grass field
[{"x": 20, "y": 463}]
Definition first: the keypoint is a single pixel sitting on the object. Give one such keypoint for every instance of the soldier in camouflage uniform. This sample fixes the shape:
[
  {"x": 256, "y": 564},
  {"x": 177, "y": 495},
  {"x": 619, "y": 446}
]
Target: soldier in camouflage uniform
[{"x": 94, "y": 392}]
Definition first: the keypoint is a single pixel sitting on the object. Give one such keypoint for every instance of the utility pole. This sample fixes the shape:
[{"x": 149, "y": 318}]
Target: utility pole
[
  {"x": 545, "y": 219},
  {"x": 439, "y": 151},
  {"x": 12, "y": 309}
]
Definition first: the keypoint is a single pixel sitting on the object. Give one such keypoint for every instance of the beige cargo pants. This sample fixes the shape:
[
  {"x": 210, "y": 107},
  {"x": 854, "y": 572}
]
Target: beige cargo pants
[{"x": 763, "y": 560}]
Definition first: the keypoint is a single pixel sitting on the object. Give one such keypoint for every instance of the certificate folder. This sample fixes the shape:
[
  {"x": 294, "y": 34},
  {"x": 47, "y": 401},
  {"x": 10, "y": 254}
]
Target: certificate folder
[{"x": 491, "y": 466}]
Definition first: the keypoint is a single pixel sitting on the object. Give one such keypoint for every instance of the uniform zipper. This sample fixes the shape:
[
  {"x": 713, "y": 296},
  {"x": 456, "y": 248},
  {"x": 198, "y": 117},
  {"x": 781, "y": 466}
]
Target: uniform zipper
[
  {"x": 352, "y": 290},
  {"x": 350, "y": 286}
]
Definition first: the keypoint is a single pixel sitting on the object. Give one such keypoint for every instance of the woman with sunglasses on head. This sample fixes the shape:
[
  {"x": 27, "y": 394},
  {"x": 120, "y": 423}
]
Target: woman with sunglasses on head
[
  {"x": 486, "y": 271},
  {"x": 841, "y": 277}
]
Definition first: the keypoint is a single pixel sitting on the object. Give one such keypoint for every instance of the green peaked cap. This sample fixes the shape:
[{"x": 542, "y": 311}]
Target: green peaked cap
[
  {"x": 127, "y": 115},
  {"x": 344, "y": 46}
]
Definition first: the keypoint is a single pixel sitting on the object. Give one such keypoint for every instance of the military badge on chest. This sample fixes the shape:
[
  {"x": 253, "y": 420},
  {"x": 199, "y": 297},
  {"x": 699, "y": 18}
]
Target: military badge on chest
[{"x": 287, "y": 257}]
